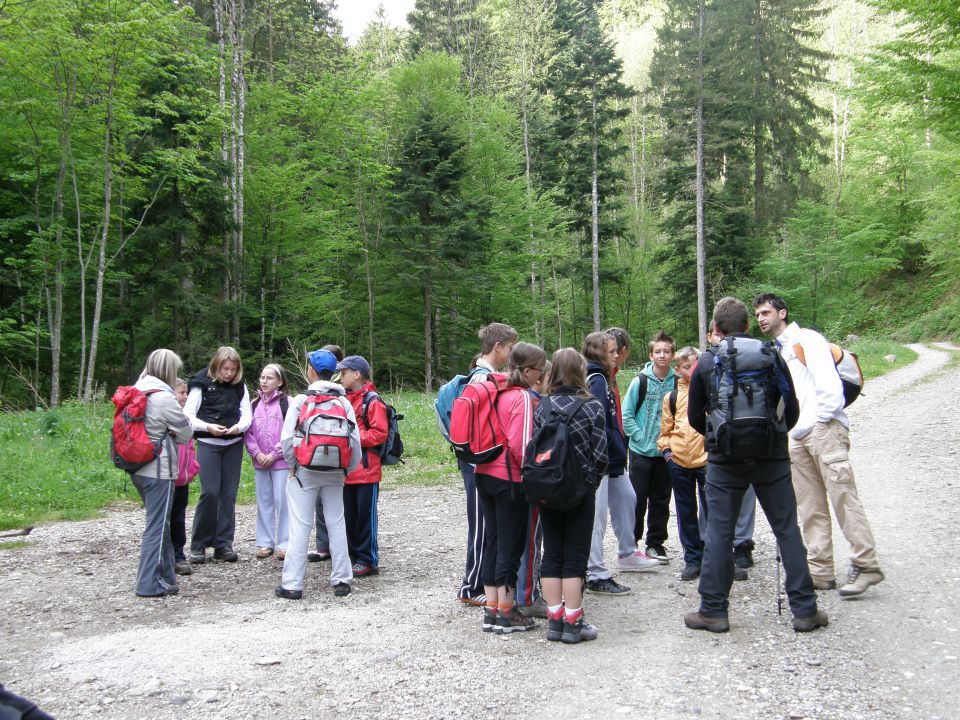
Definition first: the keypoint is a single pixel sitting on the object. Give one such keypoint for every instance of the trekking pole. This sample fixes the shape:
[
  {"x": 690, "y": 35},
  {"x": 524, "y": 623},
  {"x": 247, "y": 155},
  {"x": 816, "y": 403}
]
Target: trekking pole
[{"x": 779, "y": 585}]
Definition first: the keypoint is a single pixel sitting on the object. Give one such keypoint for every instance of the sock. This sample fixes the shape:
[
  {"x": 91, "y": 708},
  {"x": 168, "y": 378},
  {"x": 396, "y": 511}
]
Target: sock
[
  {"x": 573, "y": 614},
  {"x": 555, "y": 612},
  {"x": 505, "y": 608},
  {"x": 491, "y": 606}
]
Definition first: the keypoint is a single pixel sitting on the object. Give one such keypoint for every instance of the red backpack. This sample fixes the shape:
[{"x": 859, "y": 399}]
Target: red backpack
[
  {"x": 130, "y": 446},
  {"x": 475, "y": 431},
  {"x": 322, "y": 439}
]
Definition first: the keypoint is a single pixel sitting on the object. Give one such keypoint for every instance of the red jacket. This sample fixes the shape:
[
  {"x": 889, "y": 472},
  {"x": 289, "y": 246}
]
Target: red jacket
[
  {"x": 373, "y": 432},
  {"x": 515, "y": 408}
]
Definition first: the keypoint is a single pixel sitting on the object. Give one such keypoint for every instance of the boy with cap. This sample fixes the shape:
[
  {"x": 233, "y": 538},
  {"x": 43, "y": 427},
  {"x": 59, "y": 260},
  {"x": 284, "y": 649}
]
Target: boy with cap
[
  {"x": 303, "y": 487},
  {"x": 362, "y": 486}
]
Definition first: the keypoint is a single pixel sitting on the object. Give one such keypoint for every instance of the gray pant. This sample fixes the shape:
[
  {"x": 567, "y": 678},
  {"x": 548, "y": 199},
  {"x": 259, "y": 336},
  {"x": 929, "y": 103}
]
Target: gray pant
[
  {"x": 214, "y": 520},
  {"x": 323, "y": 537},
  {"x": 616, "y": 495},
  {"x": 155, "y": 572},
  {"x": 745, "y": 520},
  {"x": 301, "y": 506}
]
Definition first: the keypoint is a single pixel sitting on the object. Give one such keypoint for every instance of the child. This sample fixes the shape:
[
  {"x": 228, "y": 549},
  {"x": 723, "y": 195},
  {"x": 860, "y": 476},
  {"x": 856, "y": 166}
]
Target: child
[
  {"x": 615, "y": 491},
  {"x": 323, "y": 540},
  {"x": 496, "y": 342},
  {"x": 187, "y": 469},
  {"x": 567, "y": 534},
  {"x": 269, "y": 468},
  {"x": 218, "y": 406},
  {"x": 362, "y": 486},
  {"x": 504, "y": 505},
  {"x": 641, "y": 423},
  {"x": 686, "y": 459},
  {"x": 304, "y": 485}
]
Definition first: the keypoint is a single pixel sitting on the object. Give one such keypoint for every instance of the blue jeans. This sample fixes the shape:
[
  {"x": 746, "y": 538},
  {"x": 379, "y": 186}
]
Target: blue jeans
[{"x": 687, "y": 484}]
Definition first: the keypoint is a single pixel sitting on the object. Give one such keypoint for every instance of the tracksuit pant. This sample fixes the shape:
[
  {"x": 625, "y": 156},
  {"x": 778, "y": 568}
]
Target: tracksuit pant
[
  {"x": 615, "y": 497},
  {"x": 528, "y": 577},
  {"x": 178, "y": 521},
  {"x": 360, "y": 514},
  {"x": 301, "y": 505},
  {"x": 155, "y": 571},
  {"x": 272, "y": 525},
  {"x": 472, "y": 585}
]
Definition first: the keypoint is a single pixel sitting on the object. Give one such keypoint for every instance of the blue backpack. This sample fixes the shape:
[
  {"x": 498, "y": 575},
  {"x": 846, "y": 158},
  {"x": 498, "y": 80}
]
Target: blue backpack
[{"x": 447, "y": 393}]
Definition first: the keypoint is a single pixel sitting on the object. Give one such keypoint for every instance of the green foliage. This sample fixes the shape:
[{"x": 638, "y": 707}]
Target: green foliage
[{"x": 872, "y": 351}]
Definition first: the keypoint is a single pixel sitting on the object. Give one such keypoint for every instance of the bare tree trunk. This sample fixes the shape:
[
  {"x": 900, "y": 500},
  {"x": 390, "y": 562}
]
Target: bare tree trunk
[
  {"x": 701, "y": 243},
  {"x": 240, "y": 102},
  {"x": 427, "y": 338},
  {"x": 595, "y": 218},
  {"x": 556, "y": 299},
  {"x": 55, "y": 308},
  {"x": 759, "y": 159},
  {"x": 218, "y": 11}
]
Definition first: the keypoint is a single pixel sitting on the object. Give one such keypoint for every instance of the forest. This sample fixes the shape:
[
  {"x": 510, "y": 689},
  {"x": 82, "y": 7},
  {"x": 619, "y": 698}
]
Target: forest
[{"x": 192, "y": 173}]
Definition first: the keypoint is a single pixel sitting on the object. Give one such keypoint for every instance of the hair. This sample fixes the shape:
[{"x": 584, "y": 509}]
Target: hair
[
  {"x": 568, "y": 367},
  {"x": 776, "y": 302},
  {"x": 474, "y": 360},
  {"x": 277, "y": 370},
  {"x": 621, "y": 336},
  {"x": 523, "y": 355},
  {"x": 225, "y": 353},
  {"x": 164, "y": 365},
  {"x": 335, "y": 350},
  {"x": 688, "y": 352},
  {"x": 180, "y": 381},
  {"x": 662, "y": 337},
  {"x": 495, "y": 333},
  {"x": 731, "y": 316},
  {"x": 595, "y": 348}
]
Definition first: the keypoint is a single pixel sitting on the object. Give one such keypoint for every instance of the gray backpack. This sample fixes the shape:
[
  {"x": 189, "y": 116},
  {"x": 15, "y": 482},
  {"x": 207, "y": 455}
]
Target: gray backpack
[{"x": 743, "y": 420}]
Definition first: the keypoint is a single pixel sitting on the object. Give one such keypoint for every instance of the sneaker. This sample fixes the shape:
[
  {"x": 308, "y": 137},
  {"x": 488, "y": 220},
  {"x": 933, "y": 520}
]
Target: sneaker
[
  {"x": 809, "y": 624},
  {"x": 537, "y": 610},
  {"x": 608, "y": 586},
  {"x": 690, "y": 571},
  {"x": 341, "y": 590},
  {"x": 743, "y": 554},
  {"x": 225, "y": 555},
  {"x": 555, "y": 630},
  {"x": 577, "y": 632},
  {"x": 637, "y": 562},
  {"x": 824, "y": 584},
  {"x": 478, "y": 600},
  {"x": 171, "y": 590},
  {"x": 198, "y": 557},
  {"x": 697, "y": 621},
  {"x": 489, "y": 620},
  {"x": 263, "y": 552},
  {"x": 281, "y": 555},
  {"x": 513, "y": 621},
  {"x": 363, "y": 570},
  {"x": 739, "y": 574},
  {"x": 317, "y": 556},
  {"x": 282, "y": 592},
  {"x": 183, "y": 568},
  {"x": 658, "y": 552},
  {"x": 859, "y": 580}
]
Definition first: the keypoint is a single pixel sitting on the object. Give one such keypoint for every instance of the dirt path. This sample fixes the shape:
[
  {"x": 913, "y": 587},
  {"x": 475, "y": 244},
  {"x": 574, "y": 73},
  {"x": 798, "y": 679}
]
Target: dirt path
[{"x": 77, "y": 641}]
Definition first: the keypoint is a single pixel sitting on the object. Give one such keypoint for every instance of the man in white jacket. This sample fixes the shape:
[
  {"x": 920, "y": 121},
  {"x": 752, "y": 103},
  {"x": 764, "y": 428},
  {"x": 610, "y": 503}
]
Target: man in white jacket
[{"x": 819, "y": 453}]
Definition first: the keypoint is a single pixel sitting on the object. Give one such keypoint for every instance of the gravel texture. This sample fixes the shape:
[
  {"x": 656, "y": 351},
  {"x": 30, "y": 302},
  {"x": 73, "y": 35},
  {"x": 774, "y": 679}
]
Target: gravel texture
[{"x": 79, "y": 643}]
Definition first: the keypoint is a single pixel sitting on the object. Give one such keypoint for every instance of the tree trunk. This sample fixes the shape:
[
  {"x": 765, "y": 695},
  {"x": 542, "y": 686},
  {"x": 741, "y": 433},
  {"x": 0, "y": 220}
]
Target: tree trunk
[
  {"x": 427, "y": 338},
  {"x": 595, "y": 216},
  {"x": 701, "y": 242},
  {"x": 759, "y": 159},
  {"x": 218, "y": 12}
]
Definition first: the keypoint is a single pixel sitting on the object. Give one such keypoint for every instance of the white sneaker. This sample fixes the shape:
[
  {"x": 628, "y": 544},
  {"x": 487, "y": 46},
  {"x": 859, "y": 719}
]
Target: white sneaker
[{"x": 637, "y": 562}]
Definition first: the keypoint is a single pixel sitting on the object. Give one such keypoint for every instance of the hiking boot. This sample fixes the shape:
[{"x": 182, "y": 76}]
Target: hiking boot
[
  {"x": 859, "y": 580},
  {"x": 608, "y": 586},
  {"x": 363, "y": 570},
  {"x": 198, "y": 557},
  {"x": 555, "y": 630},
  {"x": 577, "y": 631},
  {"x": 317, "y": 556},
  {"x": 824, "y": 584},
  {"x": 739, "y": 574},
  {"x": 225, "y": 555},
  {"x": 183, "y": 568},
  {"x": 637, "y": 562},
  {"x": 478, "y": 600},
  {"x": 513, "y": 621},
  {"x": 697, "y": 621},
  {"x": 341, "y": 590},
  {"x": 489, "y": 620},
  {"x": 809, "y": 624},
  {"x": 263, "y": 552},
  {"x": 743, "y": 554},
  {"x": 658, "y": 552},
  {"x": 282, "y": 592},
  {"x": 537, "y": 610},
  {"x": 170, "y": 590},
  {"x": 691, "y": 571}
]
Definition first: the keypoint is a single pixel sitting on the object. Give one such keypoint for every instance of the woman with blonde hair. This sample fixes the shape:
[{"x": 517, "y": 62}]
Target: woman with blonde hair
[{"x": 218, "y": 406}]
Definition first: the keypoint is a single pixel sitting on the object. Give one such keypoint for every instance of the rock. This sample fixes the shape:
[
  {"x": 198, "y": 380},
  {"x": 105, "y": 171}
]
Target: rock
[
  {"x": 851, "y": 339},
  {"x": 179, "y": 700},
  {"x": 82, "y": 678},
  {"x": 814, "y": 662},
  {"x": 391, "y": 656},
  {"x": 269, "y": 660},
  {"x": 210, "y": 697},
  {"x": 890, "y": 358}
]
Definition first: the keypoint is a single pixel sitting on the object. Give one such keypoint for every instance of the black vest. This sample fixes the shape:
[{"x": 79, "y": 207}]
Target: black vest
[{"x": 220, "y": 404}]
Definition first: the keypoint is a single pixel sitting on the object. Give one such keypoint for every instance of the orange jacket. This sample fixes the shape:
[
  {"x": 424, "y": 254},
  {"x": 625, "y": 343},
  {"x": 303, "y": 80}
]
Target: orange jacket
[{"x": 676, "y": 435}]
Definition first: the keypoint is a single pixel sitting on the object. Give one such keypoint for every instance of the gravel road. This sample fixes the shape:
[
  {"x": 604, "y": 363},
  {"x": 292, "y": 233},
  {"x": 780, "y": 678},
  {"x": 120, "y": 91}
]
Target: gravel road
[{"x": 78, "y": 642}]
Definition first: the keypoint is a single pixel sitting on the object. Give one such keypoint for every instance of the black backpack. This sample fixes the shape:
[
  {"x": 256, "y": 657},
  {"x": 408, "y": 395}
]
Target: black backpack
[
  {"x": 391, "y": 450},
  {"x": 552, "y": 473},
  {"x": 743, "y": 422}
]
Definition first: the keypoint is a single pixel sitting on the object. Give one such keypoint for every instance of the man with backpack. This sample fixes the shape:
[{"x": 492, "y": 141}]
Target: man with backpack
[
  {"x": 734, "y": 399},
  {"x": 819, "y": 453}
]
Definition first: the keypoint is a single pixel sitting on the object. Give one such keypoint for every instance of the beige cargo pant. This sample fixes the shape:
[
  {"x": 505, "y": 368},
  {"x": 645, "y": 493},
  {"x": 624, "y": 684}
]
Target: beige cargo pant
[{"x": 822, "y": 471}]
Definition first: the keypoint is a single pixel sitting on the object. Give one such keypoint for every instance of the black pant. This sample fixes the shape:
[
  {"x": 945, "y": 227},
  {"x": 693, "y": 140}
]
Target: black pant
[
  {"x": 566, "y": 539},
  {"x": 178, "y": 521},
  {"x": 505, "y": 518},
  {"x": 726, "y": 484},
  {"x": 651, "y": 481},
  {"x": 214, "y": 520}
]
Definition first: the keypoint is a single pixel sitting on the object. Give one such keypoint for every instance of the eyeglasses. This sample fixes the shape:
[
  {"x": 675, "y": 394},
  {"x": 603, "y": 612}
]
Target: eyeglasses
[{"x": 540, "y": 370}]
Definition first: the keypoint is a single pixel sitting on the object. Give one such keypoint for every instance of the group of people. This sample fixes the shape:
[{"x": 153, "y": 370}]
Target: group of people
[
  {"x": 527, "y": 560},
  {"x": 214, "y": 408}
]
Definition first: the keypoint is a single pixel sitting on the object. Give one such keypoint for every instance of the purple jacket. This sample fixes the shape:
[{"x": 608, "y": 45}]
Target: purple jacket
[{"x": 264, "y": 432}]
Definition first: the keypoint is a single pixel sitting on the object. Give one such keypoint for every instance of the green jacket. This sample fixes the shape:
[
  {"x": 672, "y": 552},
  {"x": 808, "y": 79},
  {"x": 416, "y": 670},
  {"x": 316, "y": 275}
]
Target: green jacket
[{"x": 641, "y": 424}]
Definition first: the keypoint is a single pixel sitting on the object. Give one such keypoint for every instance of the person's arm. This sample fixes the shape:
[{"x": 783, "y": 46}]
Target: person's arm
[
  {"x": 666, "y": 428},
  {"x": 246, "y": 416},
  {"x": 171, "y": 414},
  {"x": 826, "y": 380},
  {"x": 250, "y": 440},
  {"x": 598, "y": 441},
  {"x": 629, "y": 409},
  {"x": 697, "y": 395},
  {"x": 519, "y": 426},
  {"x": 355, "y": 449},
  {"x": 192, "y": 407}
]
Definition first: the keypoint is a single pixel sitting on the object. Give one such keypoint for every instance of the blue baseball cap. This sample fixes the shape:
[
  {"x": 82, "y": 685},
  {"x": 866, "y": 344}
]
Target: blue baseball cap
[
  {"x": 321, "y": 360},
  {"x": 355, "y": 362}
]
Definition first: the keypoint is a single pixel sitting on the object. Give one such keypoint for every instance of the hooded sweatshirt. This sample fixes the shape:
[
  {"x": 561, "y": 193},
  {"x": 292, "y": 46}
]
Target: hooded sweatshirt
[
  {"x": 684, "y": 443},
  {"x": 642, "y": 424},
  {"x": 263, "y": 435},
  {"x": 165, "y": 419}
]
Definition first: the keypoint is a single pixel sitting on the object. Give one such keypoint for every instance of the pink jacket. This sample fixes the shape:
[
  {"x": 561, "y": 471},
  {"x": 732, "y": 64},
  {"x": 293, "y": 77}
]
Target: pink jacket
[
  {"x": 515, "y": 408},
  {"x": 187, "y": 465},
  {"x": 263, "y": 435}
]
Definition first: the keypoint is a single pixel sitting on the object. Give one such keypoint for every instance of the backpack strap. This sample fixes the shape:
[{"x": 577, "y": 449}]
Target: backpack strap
[
  {"x": 642, "y": 390},
  {"x": 368, "y": 398},
  {"x": 673, "y": 402}
]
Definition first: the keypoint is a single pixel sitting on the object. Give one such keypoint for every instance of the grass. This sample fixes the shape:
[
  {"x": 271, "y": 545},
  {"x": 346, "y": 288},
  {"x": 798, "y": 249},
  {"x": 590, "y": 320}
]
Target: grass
[
  {"x": 14, "y": 544},
  {"x": 54, "y": 465}
]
